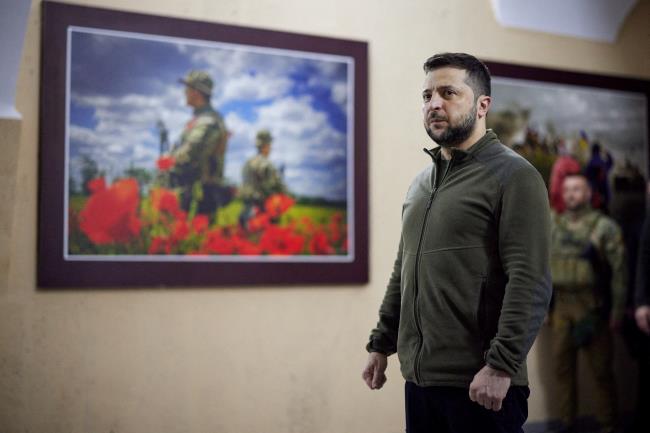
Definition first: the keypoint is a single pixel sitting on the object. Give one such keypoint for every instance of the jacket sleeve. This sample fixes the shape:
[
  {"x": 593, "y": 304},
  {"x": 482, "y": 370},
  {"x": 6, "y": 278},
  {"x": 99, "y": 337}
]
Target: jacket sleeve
[
  {"x": 524, "y": 249},
  {"x": 642, "y": 290},
  {"x": 384, "y": 337}
]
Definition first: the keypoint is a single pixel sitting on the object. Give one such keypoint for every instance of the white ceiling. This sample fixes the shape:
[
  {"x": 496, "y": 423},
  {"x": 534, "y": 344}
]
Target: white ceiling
[{"x": 598, "y": 20}]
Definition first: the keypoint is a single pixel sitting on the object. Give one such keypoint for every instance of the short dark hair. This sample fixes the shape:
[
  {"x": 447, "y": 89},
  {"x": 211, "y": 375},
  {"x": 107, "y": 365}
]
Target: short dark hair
[{"x": 478, "y": 75}]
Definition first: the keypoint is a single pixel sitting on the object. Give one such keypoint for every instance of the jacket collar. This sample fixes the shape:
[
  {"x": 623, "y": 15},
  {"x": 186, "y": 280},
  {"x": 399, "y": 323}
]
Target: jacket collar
[{"x": 460, "y": 155}]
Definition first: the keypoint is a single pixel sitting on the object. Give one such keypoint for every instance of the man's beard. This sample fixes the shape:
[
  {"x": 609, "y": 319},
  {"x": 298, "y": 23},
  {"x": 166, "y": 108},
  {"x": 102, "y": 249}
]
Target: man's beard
[
  {"x": 454, "y": 134},
  {"x": 577, "y": 206}
]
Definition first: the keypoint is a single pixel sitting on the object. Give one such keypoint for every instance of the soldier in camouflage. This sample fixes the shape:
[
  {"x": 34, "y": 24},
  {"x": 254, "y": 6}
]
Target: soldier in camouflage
[
  {"x": 199, "y": 154},
  {"x": 589, "y": 280},
  {"x": 260, "y": 178}
]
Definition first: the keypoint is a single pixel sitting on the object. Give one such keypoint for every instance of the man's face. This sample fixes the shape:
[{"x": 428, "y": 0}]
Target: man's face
[
  {"x": 265, "y": 149},
  {"x": 448, "y": 106},
  {"x": 193, "y": 97},
  {"x": 576, "y": 192}
]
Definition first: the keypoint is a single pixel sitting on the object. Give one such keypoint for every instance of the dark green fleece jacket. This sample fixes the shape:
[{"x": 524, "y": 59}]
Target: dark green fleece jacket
[{"x": 471, "y": 282}]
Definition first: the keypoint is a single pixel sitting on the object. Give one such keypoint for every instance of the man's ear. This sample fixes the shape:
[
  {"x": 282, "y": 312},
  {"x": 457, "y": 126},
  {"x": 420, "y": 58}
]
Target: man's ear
[{"x": 483, "y": 105}]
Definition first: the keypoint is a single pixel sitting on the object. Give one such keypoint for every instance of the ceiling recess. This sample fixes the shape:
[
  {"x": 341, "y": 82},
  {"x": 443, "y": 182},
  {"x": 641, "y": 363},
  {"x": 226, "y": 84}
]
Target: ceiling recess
[{"x": 597, "y": 20}]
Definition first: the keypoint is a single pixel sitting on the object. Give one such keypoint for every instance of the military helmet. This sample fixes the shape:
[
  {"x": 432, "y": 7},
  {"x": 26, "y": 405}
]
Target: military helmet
[
  {"x": 264, "y": 136},
  {"x": 199, "y": 80}
]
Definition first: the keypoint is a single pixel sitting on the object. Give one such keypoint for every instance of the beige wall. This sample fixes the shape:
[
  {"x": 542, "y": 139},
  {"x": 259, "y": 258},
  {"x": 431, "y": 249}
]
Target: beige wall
[{"x": 272, "y": 360}]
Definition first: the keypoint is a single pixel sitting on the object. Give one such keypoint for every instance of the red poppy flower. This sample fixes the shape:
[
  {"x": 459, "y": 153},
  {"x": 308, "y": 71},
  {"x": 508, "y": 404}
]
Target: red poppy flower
[
  {"x": 165, "y": 163},
  {"x": 259, "y": 222},
  {"x": 166, "y": 200},
  {"x": 180, "y": 231},
  {"x": 335, "y": 228},
  {"x": 277, "y": 204},
  {"x": 216, "y": 243},
  {"x": 319, "y": 244},
  {"x": 160, "y": 244},
  {"x": 307, "y": 225},
  {"x": 110, "y": 215},
  {"x": 96, "y": 185},
  {"x": 200, "y": 223},
  {"x": 335, "y": 232},
  {"x": 245, "y": 247},
  {"x": 281, "y": 241}
]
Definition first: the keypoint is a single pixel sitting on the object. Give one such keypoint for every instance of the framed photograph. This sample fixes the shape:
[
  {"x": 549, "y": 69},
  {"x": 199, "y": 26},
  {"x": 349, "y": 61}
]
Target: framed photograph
[
  {"x": 565, "y": 121},
  {"x": 176, "y": 152},
  {"x": 543, "y": 113}
]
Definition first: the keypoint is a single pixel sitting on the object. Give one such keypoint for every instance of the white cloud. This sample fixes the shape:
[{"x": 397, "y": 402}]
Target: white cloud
[
  {"x": 113, "y": 153},
  {"x": 328, "y": 69},
  {"x": 306, "y": 144},
  {"x": 251, "y": 88},
  {"x": 125, "y": 130},
  {"x": 312, "y": 152},
  {"x": 340, "y": 95},
  {"x": 229, "y": 63}
]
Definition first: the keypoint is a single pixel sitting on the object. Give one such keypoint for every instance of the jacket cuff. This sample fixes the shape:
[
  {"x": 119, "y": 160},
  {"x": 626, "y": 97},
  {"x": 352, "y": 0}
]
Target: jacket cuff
[
  {"x": 374, "y": 345},
  {"x": 498, "y": 359}
]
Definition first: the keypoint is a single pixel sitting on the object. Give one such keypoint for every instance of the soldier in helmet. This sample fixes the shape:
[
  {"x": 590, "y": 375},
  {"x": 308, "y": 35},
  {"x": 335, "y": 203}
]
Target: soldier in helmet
[
  {"x": 589, "y": 281},
  {"x": 260, "y": 178},
  {"x": 199, "y": 154}
]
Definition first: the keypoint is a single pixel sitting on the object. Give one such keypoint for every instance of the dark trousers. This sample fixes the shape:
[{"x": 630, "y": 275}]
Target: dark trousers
[{"x": 445, "y": 409}]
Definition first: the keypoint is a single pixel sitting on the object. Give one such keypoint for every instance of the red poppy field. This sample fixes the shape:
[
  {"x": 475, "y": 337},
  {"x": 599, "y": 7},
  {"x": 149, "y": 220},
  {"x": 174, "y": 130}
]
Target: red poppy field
[{"x": 119, "y": 219}]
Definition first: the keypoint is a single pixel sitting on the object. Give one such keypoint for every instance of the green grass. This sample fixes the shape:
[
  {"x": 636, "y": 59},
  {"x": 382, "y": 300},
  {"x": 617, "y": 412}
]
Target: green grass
[
  {"x": 77, "y": 202},
  {"x": 229, "y": 215},
  {"x": 318, "y": 214}
]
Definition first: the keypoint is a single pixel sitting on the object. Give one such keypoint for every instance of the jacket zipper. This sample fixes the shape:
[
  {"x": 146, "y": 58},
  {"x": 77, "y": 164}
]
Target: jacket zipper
[{"x": 416, "y": 314}]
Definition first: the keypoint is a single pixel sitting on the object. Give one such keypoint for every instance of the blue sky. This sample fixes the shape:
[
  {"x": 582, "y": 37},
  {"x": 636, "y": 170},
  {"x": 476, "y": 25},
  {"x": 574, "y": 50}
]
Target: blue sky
[{"x": 121, "y": 85}]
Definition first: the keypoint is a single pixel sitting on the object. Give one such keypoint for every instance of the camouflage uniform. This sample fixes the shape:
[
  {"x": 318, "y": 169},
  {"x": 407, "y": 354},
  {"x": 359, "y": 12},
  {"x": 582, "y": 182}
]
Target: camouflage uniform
[
  {"x": 260, "y": 179},
  {"x": 199, "y": 154},
  {"x": 590, "y": 280}
]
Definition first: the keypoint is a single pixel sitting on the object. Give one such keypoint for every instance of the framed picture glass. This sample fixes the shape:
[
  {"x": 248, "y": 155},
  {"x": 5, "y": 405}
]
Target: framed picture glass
[{"x": 176, "y": 152}]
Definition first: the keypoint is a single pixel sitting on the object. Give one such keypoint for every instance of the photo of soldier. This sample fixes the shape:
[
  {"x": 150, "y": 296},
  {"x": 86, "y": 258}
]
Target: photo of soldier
[
  {"x": 589, "y": 271},
  {"x": 260, "y": 178},
  {"x": 162, "y": 168},
  {"x": 199, "y": 153}
]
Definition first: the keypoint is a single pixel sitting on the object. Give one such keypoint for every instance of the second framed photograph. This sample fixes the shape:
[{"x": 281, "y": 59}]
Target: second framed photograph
[
  {"x": 562, "y": 120},
  {"x": 566, "y": 122},
  {"x": 176, "y": 152}
]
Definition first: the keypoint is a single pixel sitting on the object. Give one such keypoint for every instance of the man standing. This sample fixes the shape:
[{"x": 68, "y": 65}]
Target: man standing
[
  {"x": 471, "y": 282},
  {"x": 589, "y": 281},
  {"x": 260, "y": 178},
  {"x": 199, "y": 155}
]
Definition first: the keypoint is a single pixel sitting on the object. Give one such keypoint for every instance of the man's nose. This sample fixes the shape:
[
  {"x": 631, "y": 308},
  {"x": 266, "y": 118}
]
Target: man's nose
[{"x": 435, "y": 103}]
